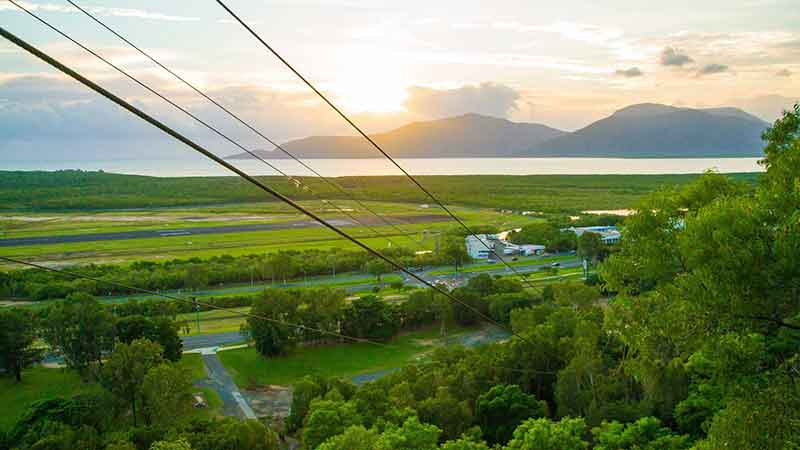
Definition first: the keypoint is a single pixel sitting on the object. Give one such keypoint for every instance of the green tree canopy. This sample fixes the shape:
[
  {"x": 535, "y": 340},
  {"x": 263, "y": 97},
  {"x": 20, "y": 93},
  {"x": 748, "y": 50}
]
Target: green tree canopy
[{"x": 17, "y": 341}]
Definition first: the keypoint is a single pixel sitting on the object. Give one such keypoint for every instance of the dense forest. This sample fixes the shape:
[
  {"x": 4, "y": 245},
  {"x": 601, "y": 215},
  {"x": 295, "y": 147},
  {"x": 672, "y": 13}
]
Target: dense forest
[
  {"x": 79, "y": 190},
  {"x": 691, "y": 341}
]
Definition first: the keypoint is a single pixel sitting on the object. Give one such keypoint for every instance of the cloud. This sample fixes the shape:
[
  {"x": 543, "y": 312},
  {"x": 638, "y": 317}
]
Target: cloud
[
  {"x": 60, "y": 119},
  {"x": 570, "y": 30},
  {"x": 98, "y": 10},
  {"x": 710, "y": 69},
  {"x": 486, "y": 98},
  {"x": 783, "y": 73},
  {"x": 672, "y": 57},
  {"x": 633, "y": 72}
]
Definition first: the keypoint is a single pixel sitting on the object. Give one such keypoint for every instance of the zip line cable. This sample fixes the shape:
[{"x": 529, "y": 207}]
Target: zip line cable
[
  {"x": 366, "y": 136},
  {"x": 202, "y": 150},
  {"x": 297, "y": 181},
  {"x": 192, "y": 301},
  {"x": 252, "y": 128}
]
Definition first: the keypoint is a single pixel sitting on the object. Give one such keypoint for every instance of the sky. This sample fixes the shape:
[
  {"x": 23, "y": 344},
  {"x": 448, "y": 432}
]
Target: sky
[{"x": 388, "y": 63}]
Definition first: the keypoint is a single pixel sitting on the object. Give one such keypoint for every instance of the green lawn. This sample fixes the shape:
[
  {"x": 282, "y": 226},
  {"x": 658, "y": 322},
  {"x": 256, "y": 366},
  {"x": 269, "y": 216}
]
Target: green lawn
[
  {"x": 214, "y": 321},
  {"x": 193, "y": 364},
  {"x": 248, "y": 368},
  {"x": 37, "y": 384}
]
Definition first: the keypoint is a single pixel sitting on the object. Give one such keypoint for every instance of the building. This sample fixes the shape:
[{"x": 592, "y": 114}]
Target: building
[
  {"x": 477, "y": 250},
  {"x": 531, "y": 249},
  {"x": 608, "y": 234},
  {"x": 477, "y": 245}
]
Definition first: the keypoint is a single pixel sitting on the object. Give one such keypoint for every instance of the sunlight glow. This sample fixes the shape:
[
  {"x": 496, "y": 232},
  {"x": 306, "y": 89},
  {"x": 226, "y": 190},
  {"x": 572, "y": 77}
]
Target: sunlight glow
[{"x": 370, "y": 86}]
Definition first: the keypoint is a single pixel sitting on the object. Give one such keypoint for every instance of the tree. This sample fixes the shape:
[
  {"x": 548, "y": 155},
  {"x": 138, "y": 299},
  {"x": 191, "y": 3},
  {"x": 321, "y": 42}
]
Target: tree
[
  {"x": 327, "y": 418},
  {"x": 645, "y": 434},
  {"x": 590, "y": 246},
  {"x": 160, "y": 329},
  {"x": 230, "y": 434},
  {"x": 452, "y": 416},
  {"x": 500, "y": 410},
  {"x": 180, "y": 444},
  {"x": 468, "y": 311},
  {"x": 370, "y": 318},
  {"x": 127, "y": 368},
  {"x": 708, "y": 273},
  {"x": 303, "y": 392},
  {"x": 81, "y": 330},
  {"x": 377, "y": 267},
  {"x": 464, "y": 444},
  {"x": 455, "y": 251},
  {"x": 270, "y": 336},
  {"x": 166, "y": 394},
  {"x": 17, "y": 339},
  {"x": 413, "y": 435},
  {"x": 543, "y": 434},
  {"x": 354, "y": 438}
]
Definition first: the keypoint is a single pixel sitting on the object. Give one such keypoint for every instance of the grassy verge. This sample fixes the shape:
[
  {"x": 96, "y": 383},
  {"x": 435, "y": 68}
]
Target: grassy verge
[
  {"x": 37, "y": 384},
  {"x": 192, "y": 363},
  {"x": 248, "y": 368},
  {"x": 493, "y": 266}
]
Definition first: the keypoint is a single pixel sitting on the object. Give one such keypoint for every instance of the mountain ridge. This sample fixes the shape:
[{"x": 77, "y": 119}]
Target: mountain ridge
[{"x": 635, "y": 131}]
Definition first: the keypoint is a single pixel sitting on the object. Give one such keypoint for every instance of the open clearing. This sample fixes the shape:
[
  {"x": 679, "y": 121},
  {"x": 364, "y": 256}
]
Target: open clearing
[{"x": 251, "y": 370}]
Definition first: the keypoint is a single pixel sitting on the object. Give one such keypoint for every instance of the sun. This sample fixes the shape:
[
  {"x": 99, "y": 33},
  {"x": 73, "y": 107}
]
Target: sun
[{"x": 370, "y": 86}]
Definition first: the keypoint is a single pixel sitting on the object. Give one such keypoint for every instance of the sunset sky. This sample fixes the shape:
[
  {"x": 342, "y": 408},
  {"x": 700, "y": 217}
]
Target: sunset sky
[{"x": 563, "y": 63}]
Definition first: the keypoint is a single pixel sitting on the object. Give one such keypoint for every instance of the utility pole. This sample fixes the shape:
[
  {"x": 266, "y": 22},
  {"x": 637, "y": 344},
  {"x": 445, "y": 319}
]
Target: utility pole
[{"x": 197, "y": 312}]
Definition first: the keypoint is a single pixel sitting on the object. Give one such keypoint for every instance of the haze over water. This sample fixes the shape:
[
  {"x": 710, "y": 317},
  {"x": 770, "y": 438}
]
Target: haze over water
[{"x": 373, "y": 167}]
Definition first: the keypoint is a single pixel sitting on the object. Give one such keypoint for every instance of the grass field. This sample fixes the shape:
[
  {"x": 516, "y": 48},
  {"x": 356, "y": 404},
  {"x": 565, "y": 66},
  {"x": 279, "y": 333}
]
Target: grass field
[
  {"x": 37, "y": 383},
  {"x": 248, "y": 368},
  {"x": 214, "y": 321},
  {"x": 234, "y": 243}
]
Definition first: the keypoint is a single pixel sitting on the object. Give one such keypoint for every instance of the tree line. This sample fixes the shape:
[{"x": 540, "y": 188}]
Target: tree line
[{"x": 197, "y": 273}]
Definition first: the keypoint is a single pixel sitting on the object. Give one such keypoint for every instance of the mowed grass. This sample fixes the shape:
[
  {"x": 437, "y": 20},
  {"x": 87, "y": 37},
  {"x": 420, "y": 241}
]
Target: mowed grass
[
  {"x": 249, "y": 369},
  {"x": 192, "y": 363},
  {"x": 38, "y": 383},
  {"x": 31, "y": 224},
  {"x": 236, "y": 243},
  {"x": 211, "y": 322}
]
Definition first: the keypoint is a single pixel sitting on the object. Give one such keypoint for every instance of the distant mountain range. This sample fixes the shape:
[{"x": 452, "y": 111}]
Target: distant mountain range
[{"x": 637, "y": 131}]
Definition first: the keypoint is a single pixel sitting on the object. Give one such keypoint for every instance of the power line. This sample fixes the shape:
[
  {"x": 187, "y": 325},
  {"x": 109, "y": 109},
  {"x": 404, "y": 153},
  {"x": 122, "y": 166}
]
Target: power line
[
  {"x": 331, "y": 183},
  {"x": 297, "y": 181},
  {"x": 192, "y": 301},
  {"x": 363, "y": 134},
  {"x": 202, "y": 150}
]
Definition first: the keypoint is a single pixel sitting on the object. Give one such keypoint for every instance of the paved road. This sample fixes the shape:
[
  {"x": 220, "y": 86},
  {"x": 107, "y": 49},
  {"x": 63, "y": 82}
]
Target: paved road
[
  {"x": 193, "y": 231},
  {"x": 233, "y": 402},
  {"x": 455, "y": 280},
  {"x": 211, "y": 340}
]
